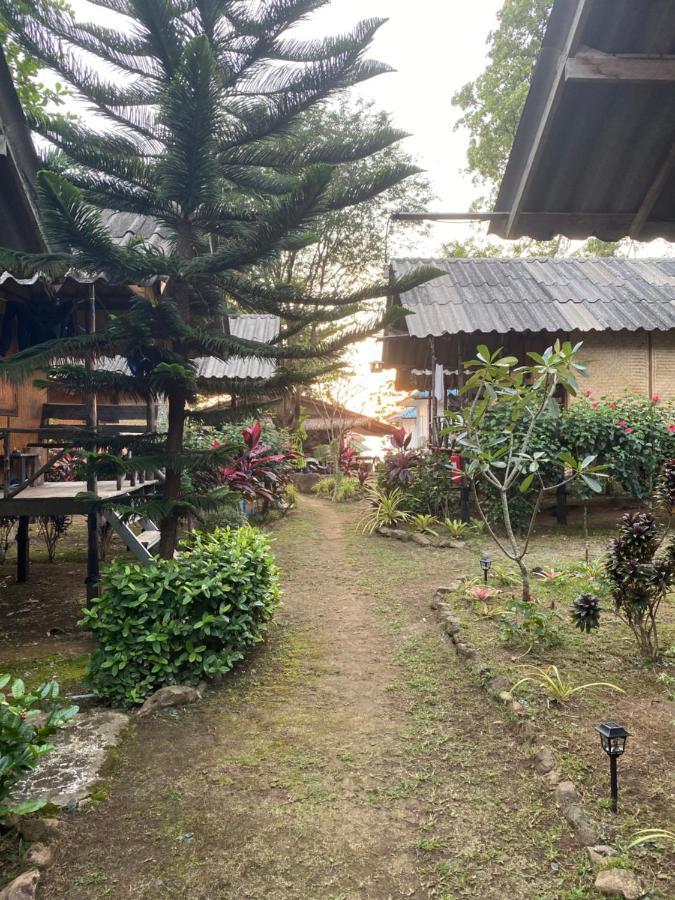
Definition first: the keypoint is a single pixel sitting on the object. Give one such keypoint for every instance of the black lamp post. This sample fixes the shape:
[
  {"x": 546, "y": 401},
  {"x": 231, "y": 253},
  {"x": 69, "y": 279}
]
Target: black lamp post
[
  {"x": 613, "y": 738},
  {"x": 485, "y": 563}
]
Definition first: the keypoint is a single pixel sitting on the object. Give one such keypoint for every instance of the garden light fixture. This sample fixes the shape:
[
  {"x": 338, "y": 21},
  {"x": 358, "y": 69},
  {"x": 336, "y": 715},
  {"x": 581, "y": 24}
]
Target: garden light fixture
[
  {"x": 613, "y": 738},
  {"x": 485, "y": 563}
]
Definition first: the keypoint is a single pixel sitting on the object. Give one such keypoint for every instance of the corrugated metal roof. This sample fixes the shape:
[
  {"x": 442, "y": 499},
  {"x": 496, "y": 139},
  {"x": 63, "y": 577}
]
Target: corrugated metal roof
[
  {"x": 553, "y": 295},
  {"x": 589, "y": 151},
  {"x": 261, "y": 329},
  {"x": 124, "y": 225}
]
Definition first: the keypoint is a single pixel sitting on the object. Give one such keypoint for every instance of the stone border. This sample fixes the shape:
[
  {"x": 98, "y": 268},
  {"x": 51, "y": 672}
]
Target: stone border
[
  {"x": 416, "y": 537},
  {"x": 498, "y": 689}
]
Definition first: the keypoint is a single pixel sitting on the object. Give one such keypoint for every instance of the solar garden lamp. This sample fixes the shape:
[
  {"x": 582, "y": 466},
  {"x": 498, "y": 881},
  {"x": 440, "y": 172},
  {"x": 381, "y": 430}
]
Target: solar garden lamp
[
  {"x": 613, "y": 739},
  {"x": 485, "y": 564}
]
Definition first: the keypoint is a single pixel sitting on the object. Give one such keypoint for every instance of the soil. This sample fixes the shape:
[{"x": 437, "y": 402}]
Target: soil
[{"x": 351, "y": 757}]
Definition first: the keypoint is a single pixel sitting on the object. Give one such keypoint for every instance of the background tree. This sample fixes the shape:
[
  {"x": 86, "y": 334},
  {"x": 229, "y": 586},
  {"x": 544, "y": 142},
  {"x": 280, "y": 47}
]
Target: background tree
[
  {"x": 354, "y": 243},
  {"x": 191, "y": 127},
  {"x": 33, "y": 93}
]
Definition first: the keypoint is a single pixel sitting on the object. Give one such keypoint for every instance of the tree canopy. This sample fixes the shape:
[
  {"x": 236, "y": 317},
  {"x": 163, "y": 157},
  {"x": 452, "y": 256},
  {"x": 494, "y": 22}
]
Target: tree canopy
[{"x": 491, "y": 105}]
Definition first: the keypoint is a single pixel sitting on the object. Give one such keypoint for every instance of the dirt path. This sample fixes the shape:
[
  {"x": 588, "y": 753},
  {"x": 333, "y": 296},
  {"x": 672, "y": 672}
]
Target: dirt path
[{"x": 350, "y": 759}]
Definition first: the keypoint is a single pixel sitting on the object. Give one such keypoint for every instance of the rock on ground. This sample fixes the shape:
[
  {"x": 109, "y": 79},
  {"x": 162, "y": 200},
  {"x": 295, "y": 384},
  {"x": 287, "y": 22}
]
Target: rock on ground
[
  {"x": 65, "y": 775},
  {"x": 599, "y": 855},
  {"x": 171, "y": 695},
  {"x": 544, "y": 761},
  {"x": 40, "y": 855},
  {"x": 22, "y": 888},
  {"x": 621, "y": 882},
  {"x": 39, "y": 828}
]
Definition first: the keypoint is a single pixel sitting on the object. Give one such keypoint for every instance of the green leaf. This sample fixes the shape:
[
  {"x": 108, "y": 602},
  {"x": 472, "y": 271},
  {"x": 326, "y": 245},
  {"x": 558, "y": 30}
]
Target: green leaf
[
  {"x": 526, "y": 483},
  {"x": 592, "y": 483}
]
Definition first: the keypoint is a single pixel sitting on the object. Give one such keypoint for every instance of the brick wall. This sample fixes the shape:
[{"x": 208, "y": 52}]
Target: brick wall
[
  {"x": 633, "y": 362},
  {"x": 663, "y": 363}
]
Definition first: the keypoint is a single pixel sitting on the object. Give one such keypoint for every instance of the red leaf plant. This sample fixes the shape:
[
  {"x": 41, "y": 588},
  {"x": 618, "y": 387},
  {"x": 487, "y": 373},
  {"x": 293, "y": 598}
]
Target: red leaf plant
[
  {"x": 255, "y": 473},
  {"x": 399, "y": 466}
]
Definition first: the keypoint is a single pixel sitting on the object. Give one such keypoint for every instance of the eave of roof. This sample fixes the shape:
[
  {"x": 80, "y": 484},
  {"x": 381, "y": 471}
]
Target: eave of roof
[{"x": 595, "y": 156}]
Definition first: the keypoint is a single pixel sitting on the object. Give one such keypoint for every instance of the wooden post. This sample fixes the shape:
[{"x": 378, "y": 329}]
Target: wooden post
[
  {"x": 151, "y": 427},
  {"x": 464, "y": 513},
  {"x": 22, "y": 550},
  {"x": 93, "y": 570},
  {"x": 432, "y": 393},
  {"x": 561, "y": 505},
  {"x": 7, "y": 463}
]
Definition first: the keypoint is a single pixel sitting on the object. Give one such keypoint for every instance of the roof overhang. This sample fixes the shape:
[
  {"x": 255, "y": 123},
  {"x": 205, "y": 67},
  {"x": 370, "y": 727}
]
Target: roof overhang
[
  {"x": 594, "y": 153},
  {"x": 19, "y": 222}
]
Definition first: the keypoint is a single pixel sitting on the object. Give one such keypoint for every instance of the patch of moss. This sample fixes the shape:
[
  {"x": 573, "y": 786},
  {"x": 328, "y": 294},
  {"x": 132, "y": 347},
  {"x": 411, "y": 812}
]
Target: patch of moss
[{"x": 69, "y": 671}]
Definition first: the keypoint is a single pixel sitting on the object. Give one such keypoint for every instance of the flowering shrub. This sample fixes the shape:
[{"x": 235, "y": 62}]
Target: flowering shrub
[{"x": 632, "y": 436}]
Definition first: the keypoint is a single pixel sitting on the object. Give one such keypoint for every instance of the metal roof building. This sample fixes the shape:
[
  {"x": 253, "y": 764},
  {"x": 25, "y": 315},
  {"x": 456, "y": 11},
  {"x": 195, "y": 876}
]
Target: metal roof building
[
  {"x": 594, "y": 153},
  {"x": 524, "y": 304}
]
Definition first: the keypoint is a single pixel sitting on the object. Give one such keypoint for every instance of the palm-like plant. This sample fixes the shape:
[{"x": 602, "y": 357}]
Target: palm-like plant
[{"x": 193, "y": 106}]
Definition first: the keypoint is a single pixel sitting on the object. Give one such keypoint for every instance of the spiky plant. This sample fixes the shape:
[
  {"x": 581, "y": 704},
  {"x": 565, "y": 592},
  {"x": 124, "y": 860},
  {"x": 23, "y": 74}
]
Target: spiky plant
[
  {"x": 586, "y": 612},
  {"x": 191, "y": 105},
  {"x": 641, "y": 572}
]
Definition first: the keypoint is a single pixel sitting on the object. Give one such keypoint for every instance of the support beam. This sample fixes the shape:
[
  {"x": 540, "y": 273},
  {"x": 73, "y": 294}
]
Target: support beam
[
  {"x": 606, "y": 67},
  {"x": 652, "y": 196},
  {"x": 569, "y": 48}
]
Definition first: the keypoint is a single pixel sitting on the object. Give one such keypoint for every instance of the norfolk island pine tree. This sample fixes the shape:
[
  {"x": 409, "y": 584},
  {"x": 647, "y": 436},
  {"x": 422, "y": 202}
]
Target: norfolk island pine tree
[{"x": 188, "y": 127}]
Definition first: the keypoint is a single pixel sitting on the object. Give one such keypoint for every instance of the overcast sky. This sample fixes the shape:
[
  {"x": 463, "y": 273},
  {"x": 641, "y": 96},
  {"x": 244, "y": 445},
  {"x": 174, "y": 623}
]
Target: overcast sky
[{"x": 435, "y": 46}]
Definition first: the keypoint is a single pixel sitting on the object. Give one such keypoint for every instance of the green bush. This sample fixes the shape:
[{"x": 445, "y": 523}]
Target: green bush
[
  {"x": 325, "y": 486},
  {"x": 432, "y": 491},
  {"x": 27, "y": 719},
  {"x": 223, "y": 517},
  {"x": 347, "y": 489},
  {"x": 181, "y": 620}
]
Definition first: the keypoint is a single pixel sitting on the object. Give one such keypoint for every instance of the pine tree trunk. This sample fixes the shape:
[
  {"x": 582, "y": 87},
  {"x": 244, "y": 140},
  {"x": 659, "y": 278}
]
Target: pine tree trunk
[{"x": 174, "y": 446}]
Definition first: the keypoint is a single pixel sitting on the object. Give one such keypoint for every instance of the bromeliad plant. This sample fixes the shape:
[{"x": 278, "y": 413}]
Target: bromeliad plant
[
  {"x": 558, "y": 688},
  {"x": 27, "y": 720},
  {"x": 425, "y": 523},
  {"x": 385, "y": 510},
  {"x": 503, "y": 460}
]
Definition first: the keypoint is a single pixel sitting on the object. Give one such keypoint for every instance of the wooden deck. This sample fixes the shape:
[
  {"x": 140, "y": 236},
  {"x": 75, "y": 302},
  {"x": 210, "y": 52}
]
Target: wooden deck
[{"x": 58, "y": 498}]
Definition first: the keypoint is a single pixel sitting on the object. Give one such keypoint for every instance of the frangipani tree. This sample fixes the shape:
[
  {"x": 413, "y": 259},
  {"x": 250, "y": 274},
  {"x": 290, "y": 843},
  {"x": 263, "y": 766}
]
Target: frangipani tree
[
  {"x": 189, "y": 106},
  {"x": 503, "y": 460}
]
